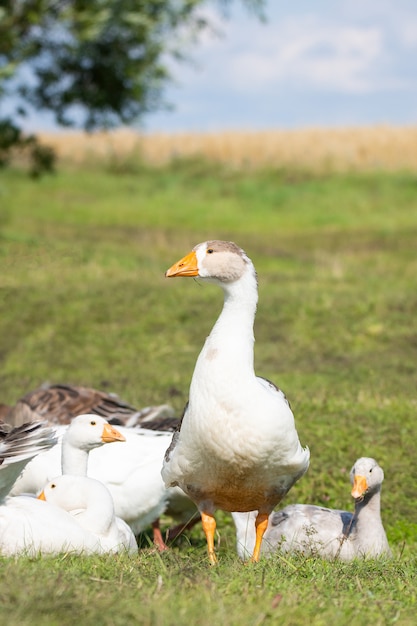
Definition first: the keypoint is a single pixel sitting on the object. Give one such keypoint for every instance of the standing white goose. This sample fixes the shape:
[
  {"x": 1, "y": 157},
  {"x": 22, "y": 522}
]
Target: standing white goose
[
  {"x": 90, "y": 504},
  {"x": 237, "y": 448},
  {"x": 328, "y": 533}
]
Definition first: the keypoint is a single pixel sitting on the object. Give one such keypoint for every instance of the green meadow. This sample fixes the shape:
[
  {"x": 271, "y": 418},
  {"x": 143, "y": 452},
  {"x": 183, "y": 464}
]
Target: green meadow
[{"x": 84, "y": 300}]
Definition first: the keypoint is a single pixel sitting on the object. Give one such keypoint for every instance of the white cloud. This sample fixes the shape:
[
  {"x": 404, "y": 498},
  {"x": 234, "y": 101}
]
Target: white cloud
[
  {"x": 350, "y": 48},
  {"x": 306, "y": 52},
  {"x": 409, "y": 34}
]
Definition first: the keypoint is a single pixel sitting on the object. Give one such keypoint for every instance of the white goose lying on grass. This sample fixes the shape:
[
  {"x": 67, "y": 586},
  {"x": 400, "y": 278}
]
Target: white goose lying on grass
[
  {"x": 31, "y": 527},
  {"x": 131, "y": 469},
  {"x": 328, "y": 533},
  {"x": 78, "y": 519},
  {"x": 90, "y": 504},
  {"x": 237, "y": 448}
]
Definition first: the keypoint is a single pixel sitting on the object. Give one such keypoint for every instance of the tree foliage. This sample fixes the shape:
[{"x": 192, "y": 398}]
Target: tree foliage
[{"x": 96, "y": 63}]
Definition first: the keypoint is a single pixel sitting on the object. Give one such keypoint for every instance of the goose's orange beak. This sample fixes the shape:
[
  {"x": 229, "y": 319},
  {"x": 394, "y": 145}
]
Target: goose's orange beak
[
  {"x": 41, "y": 496},
  {"x": 359, "y": 486},
  {"x": 111, "y": 434},
  {"x": 187, "y": 266}
]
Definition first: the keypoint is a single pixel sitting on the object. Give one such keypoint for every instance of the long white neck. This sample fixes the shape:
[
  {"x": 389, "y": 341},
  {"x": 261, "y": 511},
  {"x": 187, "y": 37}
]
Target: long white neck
[
  {"x": 98, "y": 515},
  {"x": 368, "y": 509},
  {"x": 74, "y": 460},
  {"x": 230, "y": 343},
  {"x": 369, "y": 528}
]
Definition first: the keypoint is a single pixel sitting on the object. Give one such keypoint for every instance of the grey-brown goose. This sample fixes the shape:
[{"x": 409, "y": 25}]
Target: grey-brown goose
[
  {"x": 328, "y": 533},
  {"x": 60, "y": 403}
]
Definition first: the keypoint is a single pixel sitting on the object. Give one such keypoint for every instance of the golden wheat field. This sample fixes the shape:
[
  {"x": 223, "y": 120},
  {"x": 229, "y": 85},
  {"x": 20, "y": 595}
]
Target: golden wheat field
[{"x": 386, "y": 148}]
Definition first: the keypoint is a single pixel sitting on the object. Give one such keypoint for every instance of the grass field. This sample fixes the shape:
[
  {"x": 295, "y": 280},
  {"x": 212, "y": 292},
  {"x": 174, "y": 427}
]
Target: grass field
[{"x": 83, "y": 299}]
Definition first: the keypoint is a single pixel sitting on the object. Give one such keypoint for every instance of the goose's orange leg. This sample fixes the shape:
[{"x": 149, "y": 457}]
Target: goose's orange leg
[
  {"x": 157, "y": 537},
  {"x": 261, "y": 524},
  {"x": 209, "y": 527}
]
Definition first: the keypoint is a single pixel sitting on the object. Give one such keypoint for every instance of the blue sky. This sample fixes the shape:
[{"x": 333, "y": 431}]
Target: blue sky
[{"x": 313, "y": 63}]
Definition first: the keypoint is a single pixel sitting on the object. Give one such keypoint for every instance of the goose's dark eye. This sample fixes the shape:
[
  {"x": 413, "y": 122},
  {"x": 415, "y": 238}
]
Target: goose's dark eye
[
  {"x": 53, "y": 485},
  {"x": 210, "y": 251},
  {"x": 93, "y": 423},
  {"x": 370, "y": 471}
]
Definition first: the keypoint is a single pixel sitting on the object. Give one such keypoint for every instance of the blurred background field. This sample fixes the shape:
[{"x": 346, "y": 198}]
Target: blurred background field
[{"x": 319, "y": 150}]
